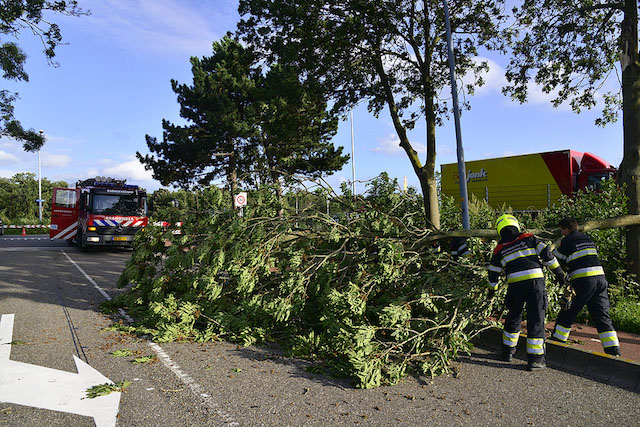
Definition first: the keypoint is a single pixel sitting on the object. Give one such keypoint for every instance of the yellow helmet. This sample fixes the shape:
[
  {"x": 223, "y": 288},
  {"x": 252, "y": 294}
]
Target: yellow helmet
[{"x": 505, "y": 221}]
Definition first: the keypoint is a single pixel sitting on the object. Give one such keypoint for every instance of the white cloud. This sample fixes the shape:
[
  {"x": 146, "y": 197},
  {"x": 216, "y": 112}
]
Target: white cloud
[
  {"x": 494, "y": 79},
  {"x": 7, "y": 159},
  {"x": 55, "y": 160},
  {"x": 538, "y": 96},
  {"x": 391, "y": 145},
  {"x": 444, "y": 150},
  {"x": 132, "y": 170},
  {"x": 158, "y": 26}
]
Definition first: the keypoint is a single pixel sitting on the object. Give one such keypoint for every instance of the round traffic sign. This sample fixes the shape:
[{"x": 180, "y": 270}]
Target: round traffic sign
[{"x": 240, "y": 200}]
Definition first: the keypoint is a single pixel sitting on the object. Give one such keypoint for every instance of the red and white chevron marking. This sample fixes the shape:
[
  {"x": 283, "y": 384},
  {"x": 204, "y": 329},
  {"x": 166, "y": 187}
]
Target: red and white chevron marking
[
  {"x": 27, "y": 226},
  {"x": 67, "y": 233}
]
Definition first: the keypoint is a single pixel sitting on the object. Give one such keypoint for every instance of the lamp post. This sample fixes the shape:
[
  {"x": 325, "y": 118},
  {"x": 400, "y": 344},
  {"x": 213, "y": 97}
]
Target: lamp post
[
  {"x": 353, "y": 159},
  {"x": 40, "y": 183},
  {"x": 456, "y": 114}
]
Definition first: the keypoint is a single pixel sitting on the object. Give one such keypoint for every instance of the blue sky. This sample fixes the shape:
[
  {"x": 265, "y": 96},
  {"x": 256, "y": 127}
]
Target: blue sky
[{"x": 113, "y": 87}]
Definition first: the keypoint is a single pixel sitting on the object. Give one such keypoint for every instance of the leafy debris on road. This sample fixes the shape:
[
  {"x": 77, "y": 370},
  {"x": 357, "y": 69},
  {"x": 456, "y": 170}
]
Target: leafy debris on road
[
  {"x": 104, "y": 389},
  {"x": 144, "y": 359},
  {"x": 125, "y": 352}
]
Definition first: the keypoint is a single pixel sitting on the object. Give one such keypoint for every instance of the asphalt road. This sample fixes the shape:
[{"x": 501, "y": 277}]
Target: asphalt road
[{"x": 56, "y": 317}]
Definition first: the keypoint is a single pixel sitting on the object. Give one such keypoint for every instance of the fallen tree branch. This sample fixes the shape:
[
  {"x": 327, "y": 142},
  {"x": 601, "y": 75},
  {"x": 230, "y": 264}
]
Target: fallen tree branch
[{"x": 549, "y": 233}]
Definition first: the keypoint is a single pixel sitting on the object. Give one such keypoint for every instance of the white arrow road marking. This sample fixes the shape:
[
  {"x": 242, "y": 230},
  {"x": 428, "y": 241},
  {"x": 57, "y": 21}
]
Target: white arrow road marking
[
  {"x": 46, "y": 388},
  {"x": 196, "y": 388}
]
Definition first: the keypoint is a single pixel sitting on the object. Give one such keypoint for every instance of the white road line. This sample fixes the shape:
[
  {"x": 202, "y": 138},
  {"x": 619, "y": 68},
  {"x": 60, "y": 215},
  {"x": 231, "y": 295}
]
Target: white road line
[
  {"x": 196, "y": 388},
  {"x": 24, "y": 238},
  {"x": 86, "y": 276},
  {"x": 28, "y": 248}
]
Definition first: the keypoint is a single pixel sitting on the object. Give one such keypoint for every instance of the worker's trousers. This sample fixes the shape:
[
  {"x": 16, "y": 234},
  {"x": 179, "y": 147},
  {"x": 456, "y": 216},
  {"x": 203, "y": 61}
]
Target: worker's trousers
[
  {"x": 532, "y": 295},
  {"x": 592, "y": 292}
]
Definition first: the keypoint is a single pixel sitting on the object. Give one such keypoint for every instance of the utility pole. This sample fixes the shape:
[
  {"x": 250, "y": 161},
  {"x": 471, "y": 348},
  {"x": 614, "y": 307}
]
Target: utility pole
[
  {"x": 462, "y": 174},
  {"x": 40, "y": 183},
  {"x": 353, "y": 159}
]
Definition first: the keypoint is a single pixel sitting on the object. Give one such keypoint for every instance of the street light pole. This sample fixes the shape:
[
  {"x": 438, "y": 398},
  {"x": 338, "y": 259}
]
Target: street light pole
[
  {"x": 462, "y": 175},
  {"x": 353, "y": 158},
  {"x": 40, "y": 183}
]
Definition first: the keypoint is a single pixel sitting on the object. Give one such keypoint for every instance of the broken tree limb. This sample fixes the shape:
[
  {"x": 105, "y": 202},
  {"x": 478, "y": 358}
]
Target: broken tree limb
[{"x": 548, "y": 233}]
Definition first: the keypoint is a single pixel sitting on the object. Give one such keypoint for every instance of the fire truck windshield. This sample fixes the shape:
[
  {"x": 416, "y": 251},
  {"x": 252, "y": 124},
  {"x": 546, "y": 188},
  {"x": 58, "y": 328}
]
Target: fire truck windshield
[{"x": 118, "y": 204}]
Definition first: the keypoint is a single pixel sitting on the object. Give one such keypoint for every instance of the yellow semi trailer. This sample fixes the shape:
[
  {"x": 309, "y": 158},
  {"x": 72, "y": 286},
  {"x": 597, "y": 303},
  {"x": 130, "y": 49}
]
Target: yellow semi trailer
[{"x": 530, "y": 181}]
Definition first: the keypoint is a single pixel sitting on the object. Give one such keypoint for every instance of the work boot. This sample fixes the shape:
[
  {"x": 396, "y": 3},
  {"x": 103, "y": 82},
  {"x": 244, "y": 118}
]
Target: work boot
[
  {"x": 554, "y": 339},
  {"x": 535, "y": 363},
  {"x": 507, "y": 353},
  {"x": 612, "y": 351}
]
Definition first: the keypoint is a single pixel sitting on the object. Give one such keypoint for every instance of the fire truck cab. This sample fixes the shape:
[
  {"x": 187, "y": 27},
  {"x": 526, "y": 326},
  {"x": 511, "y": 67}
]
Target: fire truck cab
[{"x": 100, "y": 211}]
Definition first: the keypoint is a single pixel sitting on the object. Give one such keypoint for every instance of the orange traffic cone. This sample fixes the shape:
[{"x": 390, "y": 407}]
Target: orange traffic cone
[{"x": 24, "y": 232}]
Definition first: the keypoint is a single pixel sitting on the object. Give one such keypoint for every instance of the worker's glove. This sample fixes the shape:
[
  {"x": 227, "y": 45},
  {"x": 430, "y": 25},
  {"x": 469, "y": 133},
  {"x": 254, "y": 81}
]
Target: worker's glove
[
  {"x": 565, "y": 303},
  {"x": 565, "y": 299},
  {"x": 562, "y": 279}
]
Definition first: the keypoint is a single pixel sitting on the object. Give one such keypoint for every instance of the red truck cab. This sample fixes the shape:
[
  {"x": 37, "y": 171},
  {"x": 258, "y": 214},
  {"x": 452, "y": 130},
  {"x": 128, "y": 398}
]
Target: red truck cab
[{"x": 593, "y": 171}]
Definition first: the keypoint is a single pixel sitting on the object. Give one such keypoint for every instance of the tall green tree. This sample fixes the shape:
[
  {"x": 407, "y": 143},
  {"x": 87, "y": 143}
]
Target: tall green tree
[
  {"x": 215, "y": 143},
  {"x": 18, "y": 196},
  {"x": 247, "y": 125},
  {"x": 570, "y": 49},
  {"x": 389, "y": 53},
  {"x": 16, "y": 17},
  {"x": 295, "y": 128}
]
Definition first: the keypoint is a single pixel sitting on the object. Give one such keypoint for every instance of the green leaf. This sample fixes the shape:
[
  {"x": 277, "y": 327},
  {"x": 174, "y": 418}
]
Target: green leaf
[
  {"x": 144, "y": 359},
  {"x": 107, "y": 388}
]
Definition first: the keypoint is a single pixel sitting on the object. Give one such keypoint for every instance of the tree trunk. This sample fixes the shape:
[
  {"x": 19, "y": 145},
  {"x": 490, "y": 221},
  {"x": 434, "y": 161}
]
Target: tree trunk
[
  {"x": 431, "y": 203},
  {"x": 629, "y": 173},
  {"x": 275, "y": 177},
  {"x": 426, "y": 174},
  {"x": 548, "y": 233},
  {"x": 232, "y": 176}
]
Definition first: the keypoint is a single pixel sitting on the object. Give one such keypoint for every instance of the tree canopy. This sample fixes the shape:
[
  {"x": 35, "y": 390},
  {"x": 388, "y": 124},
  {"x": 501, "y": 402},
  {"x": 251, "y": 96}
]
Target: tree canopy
[
  {"x": 216, "y": 106},
  {"x": 391, "y": 54},
  {"x": 295, "y": 128},
  {"x": 568, "y": 49},
  {"x": 571, "y": 49},
  {"x": 18, "y": 196},
  {"x": 245, "y": 124},
  {"x": 17, "y": 16}
]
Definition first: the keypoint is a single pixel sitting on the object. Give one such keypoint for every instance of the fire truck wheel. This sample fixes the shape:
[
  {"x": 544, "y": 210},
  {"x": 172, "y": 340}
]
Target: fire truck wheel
[{"x": 82, "y": 241}]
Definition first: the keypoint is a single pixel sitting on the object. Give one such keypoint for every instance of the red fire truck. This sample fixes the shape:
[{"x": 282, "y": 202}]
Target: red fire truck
[{"x": 100, "y": 211}]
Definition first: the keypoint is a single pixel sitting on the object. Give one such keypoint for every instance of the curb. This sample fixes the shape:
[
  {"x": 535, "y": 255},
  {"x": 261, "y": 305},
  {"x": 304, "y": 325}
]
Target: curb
[{"x": 615, "y": 371}]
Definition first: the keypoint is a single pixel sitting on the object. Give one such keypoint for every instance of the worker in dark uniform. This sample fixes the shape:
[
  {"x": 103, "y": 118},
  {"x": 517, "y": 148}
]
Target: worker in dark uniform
[
  {"x": 587, "y": 278},
  {"x": 459, "y": 247},
  {"x": 519, "y": 256}
]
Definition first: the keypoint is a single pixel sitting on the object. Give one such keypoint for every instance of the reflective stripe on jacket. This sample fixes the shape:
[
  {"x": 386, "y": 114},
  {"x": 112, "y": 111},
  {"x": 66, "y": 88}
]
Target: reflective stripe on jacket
[
  {"x": 520, "y": 259},
  {"x": 580, "y": 254}
]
